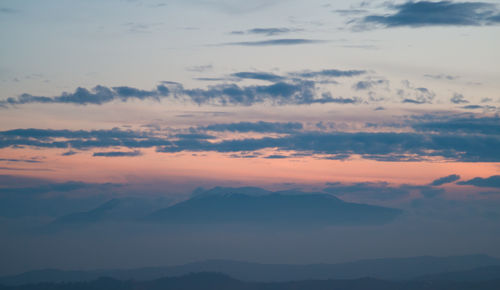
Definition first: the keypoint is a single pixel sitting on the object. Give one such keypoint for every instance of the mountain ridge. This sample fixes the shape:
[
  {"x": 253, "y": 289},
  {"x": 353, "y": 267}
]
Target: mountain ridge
[{"x": 394, "y": 269}]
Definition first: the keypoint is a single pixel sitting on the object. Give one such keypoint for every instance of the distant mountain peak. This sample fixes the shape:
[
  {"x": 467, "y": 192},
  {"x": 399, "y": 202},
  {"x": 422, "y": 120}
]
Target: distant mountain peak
[{"x": 223, "y": 205}]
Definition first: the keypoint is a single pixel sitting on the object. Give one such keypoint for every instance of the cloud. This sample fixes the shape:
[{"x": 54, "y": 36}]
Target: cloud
[
  {"x": 415, "y": 95},
  {"x": 272, "y": 42},
  {"x": 368, "y": 84},
  {"x": 297, "y": 88},
  {"x": 19, "y": 160},
  {"x": 345, "y": 12},
  {"x": 442, "y": 13},
  {"x": 260, "y": 127},
  {"x": 484, "y": 125},
  {"x": 380, "y": 146},
  {"x": 447, "y": 179},
  {"x": 451, "y": 139},
  {"x": 276, "y": 156},
  {"x": 327, "y": 98},
  {"x": 258, "y": 76},
  {"x": 280, "y": 93},
  {"x": 200, "y": 68},
  {"x": 441, "y": 77},
  {"x": 97, "y": 96},
  {"x": 458, "y": 99},
  {"x": 492, "y": 181},
  {"x": 476, "y": 107},
  {"x": 118, "y": 154},
  {"x": 80, "y": 139},
  {"x": 330, "y": 73},
  {"x": 194, "y": 136},
  {"x": 266, "y": 31}
]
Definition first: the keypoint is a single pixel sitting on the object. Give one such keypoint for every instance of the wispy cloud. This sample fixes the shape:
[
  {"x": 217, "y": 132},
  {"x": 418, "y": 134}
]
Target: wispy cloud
[
  {"x": 293, "y": 88},
  {"x": 441, "y": 77},
  {"x": 20, "y": 160},
  {"x": 260, "y": 127},
  {"x": 447, "y": 179},
  {"x": 492, "y": 181},
  {"x": 270, "y": 31},
  {"x": 272, "y": 42},
  {"x": 118, "y": 154},
  {"x": 258, "y": 76},
  {"x": 442, "y": 13},
  {"x": 97, "y": 96}
]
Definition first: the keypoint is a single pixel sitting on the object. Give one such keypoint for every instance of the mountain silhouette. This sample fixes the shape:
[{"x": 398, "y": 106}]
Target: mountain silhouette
[
  {"x": 91, "y": 216},
  {"x": 257, "y": 206},
  {"x": 217, "y": 281},
  {"x": 477, "y": 274},
  {"x": 388, "y": 269}
]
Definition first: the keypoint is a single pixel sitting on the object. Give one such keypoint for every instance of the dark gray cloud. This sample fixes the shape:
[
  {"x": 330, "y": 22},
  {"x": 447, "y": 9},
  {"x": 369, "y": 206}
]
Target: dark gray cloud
[
  {"x": 458, "y": 99},
  {"x": 260, "y": 127},
  {"x": 296, "y": 92},
  {"x": 276, "y": 156},
  {"x": 194, "y": 136},
  {"x": 447, "y": 179},
  {"x": 415, "y": 95},
  {"x": 412, "y": 101},
  {"x": 118, "y": 154},
  {"x": 296, "y": 88},
  {"x": 19, "y": 160},
  {"x": 81, "y": 139},
  {"x": 271, "y": 31},
  {"x": 473, "y": 107},
  {"x": 484, "y": 125},
  {"x": 492, "y": 181},
  {"x": 271, "y": 42},
  {"x": 210, "y": 79},
  {"x": 327, "y": 98},
  {"x": 330, "y": 73},
  {"x": 368, "y": 84},
  {"x": 280, "y": 93},
  {"x": 258, "y": 76},
  {"x": 380, "y": 146},
  {"x": 98, "y": 95},
  {"x": 468, "y": 140},
  {"x": 441, "y": 77},
  {"x": 443, "y": 13},
  {"x": 350, "y": 11}
]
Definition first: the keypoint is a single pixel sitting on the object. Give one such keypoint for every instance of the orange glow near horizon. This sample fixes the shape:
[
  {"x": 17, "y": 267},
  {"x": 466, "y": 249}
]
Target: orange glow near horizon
[{"x": 220, "y": 167}]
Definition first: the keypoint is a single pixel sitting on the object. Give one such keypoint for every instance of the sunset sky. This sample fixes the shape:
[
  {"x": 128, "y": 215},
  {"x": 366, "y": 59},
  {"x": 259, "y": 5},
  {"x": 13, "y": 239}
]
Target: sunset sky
[{"x": 391, "y": 103}]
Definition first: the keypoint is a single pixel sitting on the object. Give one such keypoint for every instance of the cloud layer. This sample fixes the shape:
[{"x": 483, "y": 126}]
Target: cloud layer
[
  {"x": 454, "y": 139},
  {"x": 443, "y": 13}
]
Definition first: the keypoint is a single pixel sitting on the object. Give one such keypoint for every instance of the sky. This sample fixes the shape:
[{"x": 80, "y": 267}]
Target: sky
[{"x": 389, "y": 103}]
